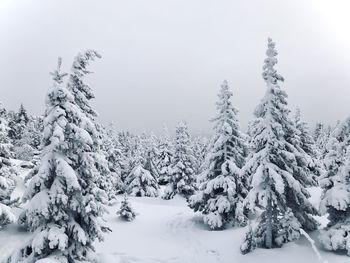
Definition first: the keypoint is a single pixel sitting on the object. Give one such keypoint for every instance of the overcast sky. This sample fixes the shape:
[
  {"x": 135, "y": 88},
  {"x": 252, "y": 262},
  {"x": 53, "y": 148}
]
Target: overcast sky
[{"x": 164, "y": 60}]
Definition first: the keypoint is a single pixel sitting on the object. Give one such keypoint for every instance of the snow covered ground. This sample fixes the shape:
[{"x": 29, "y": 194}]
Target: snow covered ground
[{"x": 167, "y": 231}]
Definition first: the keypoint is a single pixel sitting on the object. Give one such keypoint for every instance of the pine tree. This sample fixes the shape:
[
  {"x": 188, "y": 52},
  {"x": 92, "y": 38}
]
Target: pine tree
[
  {"x": 6, "y": 146},
  {"x": 221, "y": 195},
  {"x": 248, "y": 244},
  {"x": 18, "y": 123},
  {"x": 335, "y": 154},
  {"x": 113, "y": 156},
  {"x": 81, "y": 91},
  {"x": 164, "y": 158},
  {"x": 7, "y": 173},
  {"x": 324, "y": 135},
  {"x": 182, "y": 174},
  {"x": 199, "y": 151},
  {"x": 23, "y": 148},
  {"x": 140, "y": 182},
  {"x": 277, "y": 181},
  {"x": 336, "y": 202},
  {"x": 82, "y": 94},
  {"x": 307, "y": 144},
  {"x": 126, "y": 212},
  {"x": 65, "y": 205}
]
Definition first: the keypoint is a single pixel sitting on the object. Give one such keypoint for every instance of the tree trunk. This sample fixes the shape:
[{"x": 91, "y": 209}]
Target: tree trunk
[{"x": 268, "y": 238}]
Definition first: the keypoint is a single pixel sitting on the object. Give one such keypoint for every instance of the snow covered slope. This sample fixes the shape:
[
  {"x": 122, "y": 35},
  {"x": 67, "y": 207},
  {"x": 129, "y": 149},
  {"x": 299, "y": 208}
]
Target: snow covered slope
[{"x": 167, "y": 231}]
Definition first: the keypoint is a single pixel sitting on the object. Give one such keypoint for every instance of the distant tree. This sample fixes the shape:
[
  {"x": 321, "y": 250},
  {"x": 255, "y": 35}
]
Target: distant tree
[
  {"x": 17, "y": 123},
  {"x": 220, "y": 196},
  {"x": 182, "y": 176},
  {"x": 6, "y": 146},
  {"x": 112, "y": 152},
  {"x": 199, "y": 146},
  {"x": 164, "y": 157},
  {"x": 307, "y": 144},
  {"x": 140, "y": 182}
]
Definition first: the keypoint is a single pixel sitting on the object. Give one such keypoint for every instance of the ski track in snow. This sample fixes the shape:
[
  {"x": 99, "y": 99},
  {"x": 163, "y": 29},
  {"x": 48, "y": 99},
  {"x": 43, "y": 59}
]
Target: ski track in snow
[{"x": 194, "y": 251}]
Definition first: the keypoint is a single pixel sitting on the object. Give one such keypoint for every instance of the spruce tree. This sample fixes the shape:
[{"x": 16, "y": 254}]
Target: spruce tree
[
  {"x": 82, "y": 95},
  {"x": 336, "y": 202},
  {"x": 308, "y": 146},
  {"x": 113, "y": 154},
  {"x": 277, "y": 181},
  {"x": 199, "y": 145},
  {"x": 182, "y": 175},
  {"x": 64, "y": 209},
  {"x": 164, "y": 158},
  {"x": 18, "y": 123},
  {"x": 220, "y": 196},
  {"x": 140, "y": 182},
  {"x": 126, "y": 212},
  {"x": 7, "y": 173}
]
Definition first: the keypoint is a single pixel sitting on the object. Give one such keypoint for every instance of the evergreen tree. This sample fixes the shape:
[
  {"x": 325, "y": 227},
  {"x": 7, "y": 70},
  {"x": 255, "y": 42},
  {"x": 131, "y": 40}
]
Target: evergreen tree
[
  {"x": 182, "y": 174},
  {"x": 336, "y": 202},
  {"x": 126, "y": 212},
  {"x": 317, "y": 130},
  {"x": 249, "y": 242},
  {"x": 221, "y": 195},
  {"x": 6, "y": 146},
  {"x": 7, "y": 173},
  {"x": 113, "y": 156},
  {"x": 164, "y": 158},
  {"x": 307, "y": 144},
  {"x": 140, "y": 182},
  {"x": 277, "y": 180},
  {"x": 323, "y": 139},
  {"x": 82, "y": 94},
  {"x": 65, "y": 205},
  {"x": 18, "y": 123},
  {"x": 23, "y": 147},
  {"x": 199, "y": 151},
  {"x": 335, "y": 154}
]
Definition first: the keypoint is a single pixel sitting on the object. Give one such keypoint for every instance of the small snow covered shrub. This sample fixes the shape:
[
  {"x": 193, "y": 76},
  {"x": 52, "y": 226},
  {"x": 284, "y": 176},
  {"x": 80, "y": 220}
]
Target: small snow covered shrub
[
  {"x": 248, "y": 244},
  {"x": 126, "y": 212}
]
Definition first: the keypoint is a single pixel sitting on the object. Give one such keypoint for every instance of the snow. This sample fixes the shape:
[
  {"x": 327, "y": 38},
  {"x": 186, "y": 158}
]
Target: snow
[{"x": 167, "y": 231}]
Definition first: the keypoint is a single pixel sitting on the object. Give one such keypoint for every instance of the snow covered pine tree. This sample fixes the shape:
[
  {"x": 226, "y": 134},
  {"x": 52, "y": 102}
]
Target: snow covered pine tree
[
  {"x": 140, "y": 182},
  {"x": 336, "y": 202},
  {"x": 82, "y": 94},
  {"x": 277, "y": 183},
  {"x": 182, "y": 178},
  {"x": 7, "y": 173},
  {"x": 307, "y": 144},
  {"x": 64, "y": 210},
  {"x": 164, "y": 157},
  {"x": 220, "y": 196},
  {"x": 335, "y": 199},
  {"x": 126, "y": 212}
]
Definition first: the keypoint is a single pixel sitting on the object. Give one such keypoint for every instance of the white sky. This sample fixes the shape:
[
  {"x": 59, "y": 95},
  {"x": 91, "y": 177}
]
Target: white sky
[{"x": 164, "y": 60}]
